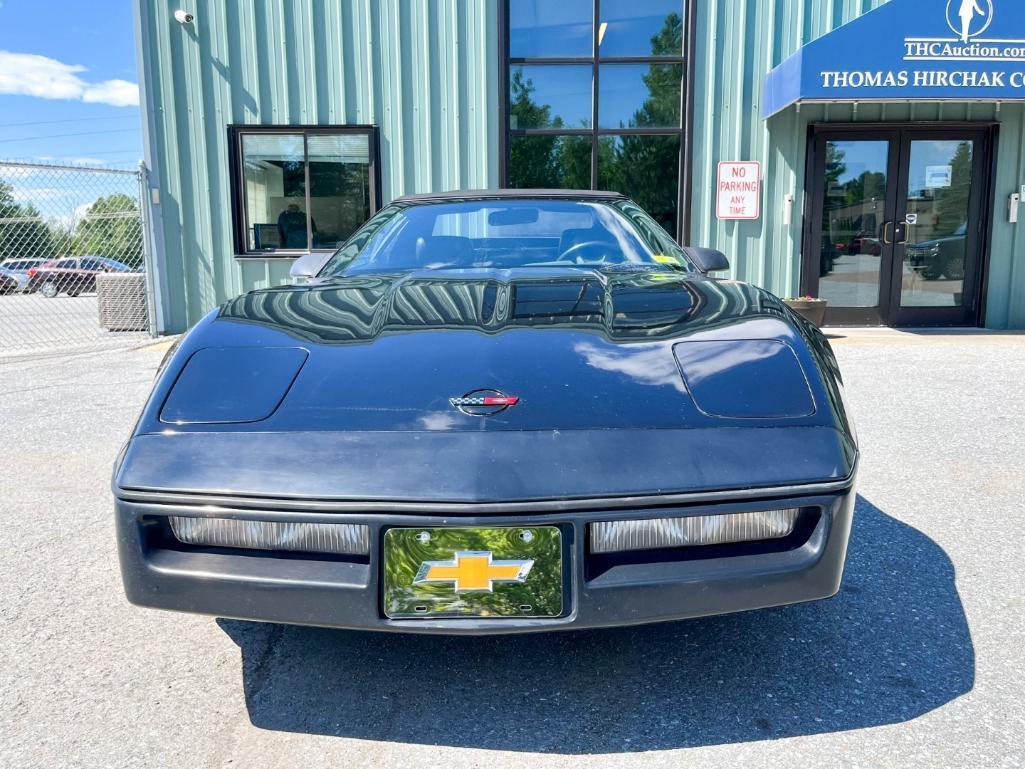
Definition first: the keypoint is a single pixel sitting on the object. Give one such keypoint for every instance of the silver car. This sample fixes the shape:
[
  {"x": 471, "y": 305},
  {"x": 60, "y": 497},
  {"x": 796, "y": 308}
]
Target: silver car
[{"x": 16, "y": 270}]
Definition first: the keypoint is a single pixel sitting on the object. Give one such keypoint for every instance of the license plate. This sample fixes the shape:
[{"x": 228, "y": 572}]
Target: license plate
[{"x": 473, "y": 572}]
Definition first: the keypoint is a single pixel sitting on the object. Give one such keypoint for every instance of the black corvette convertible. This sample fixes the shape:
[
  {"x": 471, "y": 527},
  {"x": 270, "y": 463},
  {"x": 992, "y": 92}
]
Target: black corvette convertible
[{"x": 492, "y": 412}]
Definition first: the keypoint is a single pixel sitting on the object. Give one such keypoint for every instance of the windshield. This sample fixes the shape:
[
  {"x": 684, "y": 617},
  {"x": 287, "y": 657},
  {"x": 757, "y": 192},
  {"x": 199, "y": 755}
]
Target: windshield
[{"x": 505, "y": 234}]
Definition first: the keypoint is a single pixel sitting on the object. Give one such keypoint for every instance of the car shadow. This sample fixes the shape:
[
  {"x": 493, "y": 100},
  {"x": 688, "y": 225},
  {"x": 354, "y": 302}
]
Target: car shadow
[{"x": 894, "y": 644}]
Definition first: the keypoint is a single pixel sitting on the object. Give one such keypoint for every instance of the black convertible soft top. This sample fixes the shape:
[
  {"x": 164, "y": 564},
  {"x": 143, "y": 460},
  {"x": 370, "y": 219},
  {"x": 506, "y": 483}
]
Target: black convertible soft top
[{"x": 439, "y": 197}]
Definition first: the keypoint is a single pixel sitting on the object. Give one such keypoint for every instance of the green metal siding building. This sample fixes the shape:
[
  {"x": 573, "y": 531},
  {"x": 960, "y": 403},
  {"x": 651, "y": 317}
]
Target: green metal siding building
[{"x": 372, "y": 99}]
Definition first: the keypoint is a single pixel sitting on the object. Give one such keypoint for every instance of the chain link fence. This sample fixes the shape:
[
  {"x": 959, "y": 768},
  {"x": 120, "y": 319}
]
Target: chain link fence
[{"x": 74, "y": 259}]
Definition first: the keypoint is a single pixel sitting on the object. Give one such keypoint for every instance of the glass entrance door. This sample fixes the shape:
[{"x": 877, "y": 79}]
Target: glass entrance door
[
  {"x": 895, "y": 231},
  {"x": 858, "y": 183}
]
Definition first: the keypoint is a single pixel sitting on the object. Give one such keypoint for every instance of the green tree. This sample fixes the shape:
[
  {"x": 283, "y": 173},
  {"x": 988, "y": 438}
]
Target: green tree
[
  {"x": 111, "y": 228},
  {"x": 532, "y": 160},
  {"x": 836, "y": 166},
  {"x": 663, "y": 81},
  {"x": 544, "y": 162},
  {"x": 868, "y": 187},
  {"x": 23, "y": 232},
  {"x": 647, "y": 167},
  {"x": 574, "y": 162},
  {"x": 951, "y": 209}
]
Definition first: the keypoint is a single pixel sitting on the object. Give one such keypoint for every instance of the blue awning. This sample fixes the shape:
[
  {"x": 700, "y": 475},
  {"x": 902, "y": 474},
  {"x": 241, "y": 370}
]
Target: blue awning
[{"x": 910, "y": 50}]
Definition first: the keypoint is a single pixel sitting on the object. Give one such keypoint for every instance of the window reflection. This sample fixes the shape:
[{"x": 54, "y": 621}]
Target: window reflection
[
  {"x": 552, "y": 162},
  {"x": 646, "y": 169},
  {"x": 641, "y": 28},
  {"x": 939, "y": 191},
  {"x": 298, "y": 185},
  {"x": 631, "y": 97},
  {"x": 339, "y": 186},
  {"x": 550, "y": 96},
  {"x": 551, "y": 28},
  {"x": 274, "y": 170},
  {"x": 639, "y": 95},
  {"x": 852, "y": 222}
]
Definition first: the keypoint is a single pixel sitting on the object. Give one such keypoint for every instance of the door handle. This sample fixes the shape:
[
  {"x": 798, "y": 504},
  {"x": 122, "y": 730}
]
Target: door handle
[
  {"x": 901, "y": 227},
  {"x": 887, "y": 240}
]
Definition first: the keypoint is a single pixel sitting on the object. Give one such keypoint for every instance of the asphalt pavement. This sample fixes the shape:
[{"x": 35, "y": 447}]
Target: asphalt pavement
[
  {"x": 916, "y": 663},
  {"x": 31, "y": 324}
]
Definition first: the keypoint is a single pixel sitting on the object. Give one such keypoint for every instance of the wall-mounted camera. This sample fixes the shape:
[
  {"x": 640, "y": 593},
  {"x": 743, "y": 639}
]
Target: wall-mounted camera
[{"x": 183, "y": 17}]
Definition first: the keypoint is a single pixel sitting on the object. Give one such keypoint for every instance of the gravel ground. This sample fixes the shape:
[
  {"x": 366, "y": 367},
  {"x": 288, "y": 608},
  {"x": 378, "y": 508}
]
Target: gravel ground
[{"x": 916, "y": 663}]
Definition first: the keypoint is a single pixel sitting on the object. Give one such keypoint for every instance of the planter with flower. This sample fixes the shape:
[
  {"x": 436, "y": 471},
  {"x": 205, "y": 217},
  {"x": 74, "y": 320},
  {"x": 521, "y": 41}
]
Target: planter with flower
[{"x": 809, "y": 307}]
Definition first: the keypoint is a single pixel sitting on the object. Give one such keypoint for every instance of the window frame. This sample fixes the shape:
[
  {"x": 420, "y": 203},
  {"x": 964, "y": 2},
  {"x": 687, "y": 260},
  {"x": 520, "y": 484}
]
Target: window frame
[
  {"x": 595, "y": 132},
  {"x": 239, "y": 212}
]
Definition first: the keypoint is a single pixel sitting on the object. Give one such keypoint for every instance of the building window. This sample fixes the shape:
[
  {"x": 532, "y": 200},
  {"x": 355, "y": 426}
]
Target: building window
[
  {"x": 593, "y": 98},
  {"x": 301, "y": 189}
]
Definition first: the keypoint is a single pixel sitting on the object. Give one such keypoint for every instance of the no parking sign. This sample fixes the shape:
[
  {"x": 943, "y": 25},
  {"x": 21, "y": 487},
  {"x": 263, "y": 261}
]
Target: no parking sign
[{"x": 739, "y": 190}]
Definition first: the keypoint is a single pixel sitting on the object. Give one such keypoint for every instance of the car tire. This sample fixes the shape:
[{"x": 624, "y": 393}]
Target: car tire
[
  {"x": 953, "y": 268},
  {"x": 49, "y": 289},
  {"x": 932, "y": 270}
]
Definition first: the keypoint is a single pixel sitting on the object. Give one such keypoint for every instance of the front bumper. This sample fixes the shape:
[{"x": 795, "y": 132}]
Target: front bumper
[{"x": 600, "y": 591}]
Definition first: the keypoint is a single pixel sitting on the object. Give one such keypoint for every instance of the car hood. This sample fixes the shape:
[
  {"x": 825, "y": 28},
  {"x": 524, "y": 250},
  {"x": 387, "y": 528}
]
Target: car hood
[
  {"x": 937, "y": 241},
  {"x": 580, "y": 349},
  {"x": 342, "y": 390}
]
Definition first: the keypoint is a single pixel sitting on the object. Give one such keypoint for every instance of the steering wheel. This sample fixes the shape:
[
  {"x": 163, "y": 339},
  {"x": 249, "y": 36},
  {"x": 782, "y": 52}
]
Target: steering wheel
[{"x": 567, "y": 254}]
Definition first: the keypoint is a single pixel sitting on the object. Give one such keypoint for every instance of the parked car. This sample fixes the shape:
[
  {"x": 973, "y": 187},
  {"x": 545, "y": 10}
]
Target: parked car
[
  {"x": 864, "y": 244},
  {"x": 16, "y": 270},
  {"x": 941, "y": 257},
  {"x": 492, "y": 412},
  {"x": 72, "y": 275},
  {"x": 8, "y": 283}
]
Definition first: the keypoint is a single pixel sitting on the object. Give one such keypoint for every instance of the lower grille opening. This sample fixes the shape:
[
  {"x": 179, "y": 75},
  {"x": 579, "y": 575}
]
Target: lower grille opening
[
  {"x": 169, "y": 533},
  {"x": 596, "y": 564}
]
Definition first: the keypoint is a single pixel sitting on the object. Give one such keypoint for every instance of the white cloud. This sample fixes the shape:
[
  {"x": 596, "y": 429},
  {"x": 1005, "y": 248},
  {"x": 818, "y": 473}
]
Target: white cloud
[
  {"x": 86, "y": 162},
  {"x": 17, "y": 172},
  {"x": 28, "y": 74},
  {"x": 647, "y": 364},
  {"x": 66, "y": 218},
  {"x": 68, "y": 221},
  {"x": 119, "y": 93},
  {"x": 37, "y": 194}
]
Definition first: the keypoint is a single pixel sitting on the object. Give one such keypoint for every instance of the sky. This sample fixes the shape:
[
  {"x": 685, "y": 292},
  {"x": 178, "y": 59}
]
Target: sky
[{"x": 68, "y": 84}]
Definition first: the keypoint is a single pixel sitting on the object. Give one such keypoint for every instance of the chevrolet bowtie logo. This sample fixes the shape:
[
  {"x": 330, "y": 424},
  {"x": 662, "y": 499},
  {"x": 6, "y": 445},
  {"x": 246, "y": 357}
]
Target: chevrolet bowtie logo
[{"x": 473, "y": 571}]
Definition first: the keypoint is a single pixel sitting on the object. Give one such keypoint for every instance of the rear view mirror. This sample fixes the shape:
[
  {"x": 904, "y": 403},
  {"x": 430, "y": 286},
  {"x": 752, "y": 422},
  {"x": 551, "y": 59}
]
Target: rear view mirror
[
  {"x": 507, "y": 217},
  {"x": 707, "y": 259},
  {"x": 308, "y": 265}
]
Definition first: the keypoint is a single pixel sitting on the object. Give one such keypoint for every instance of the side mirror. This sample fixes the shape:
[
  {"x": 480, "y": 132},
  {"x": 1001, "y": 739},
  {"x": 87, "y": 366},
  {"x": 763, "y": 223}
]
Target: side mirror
[
  {"x": 707, "y": 259},
  {"x": 308, "y": 265}
]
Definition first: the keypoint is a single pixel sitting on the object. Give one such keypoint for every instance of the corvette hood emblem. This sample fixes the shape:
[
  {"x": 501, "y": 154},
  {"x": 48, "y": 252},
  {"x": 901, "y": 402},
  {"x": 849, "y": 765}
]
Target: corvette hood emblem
[{"x": 484, "y": 403}]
